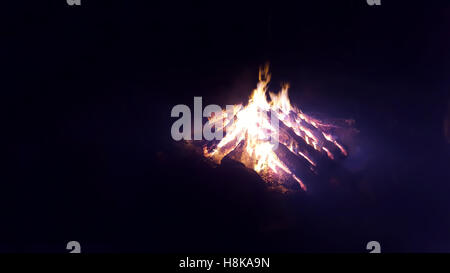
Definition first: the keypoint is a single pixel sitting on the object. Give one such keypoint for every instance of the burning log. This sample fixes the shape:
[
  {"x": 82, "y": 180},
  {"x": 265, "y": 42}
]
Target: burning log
[{"x": 274, "y": 150}]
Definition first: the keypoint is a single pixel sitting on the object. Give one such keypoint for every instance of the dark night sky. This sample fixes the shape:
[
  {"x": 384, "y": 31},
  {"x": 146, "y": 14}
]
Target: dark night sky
[{"x": 87, "y": 98}]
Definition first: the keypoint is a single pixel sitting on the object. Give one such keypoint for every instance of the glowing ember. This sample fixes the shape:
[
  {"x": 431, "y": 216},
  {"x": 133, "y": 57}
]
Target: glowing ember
[{"x": 250, "y": 132}]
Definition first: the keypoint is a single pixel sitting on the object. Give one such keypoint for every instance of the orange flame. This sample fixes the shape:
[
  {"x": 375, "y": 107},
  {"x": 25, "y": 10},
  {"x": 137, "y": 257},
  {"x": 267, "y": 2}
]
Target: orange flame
[{"x": 249, "y": 132}]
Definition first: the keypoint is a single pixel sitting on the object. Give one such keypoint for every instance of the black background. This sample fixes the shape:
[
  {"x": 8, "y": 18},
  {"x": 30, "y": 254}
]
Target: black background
[{"x": 87, "y": 94}]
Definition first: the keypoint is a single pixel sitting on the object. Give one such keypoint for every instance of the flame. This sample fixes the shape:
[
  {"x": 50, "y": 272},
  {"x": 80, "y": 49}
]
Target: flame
[{"x": 248, "y": 131}]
